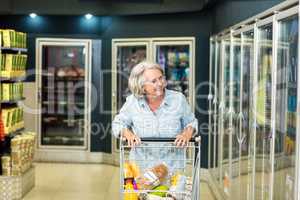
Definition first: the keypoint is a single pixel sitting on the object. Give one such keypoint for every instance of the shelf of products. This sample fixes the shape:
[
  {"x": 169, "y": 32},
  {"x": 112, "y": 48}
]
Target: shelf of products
[
  {"x": 11, "y": 49},
  {"x": 16, "y": 146},
  {"x": 11, "y": 102},
  {"x": 12, "y": 80},
  {"x": 13, "y": 65},
  {"x": 175, "y": 60}
]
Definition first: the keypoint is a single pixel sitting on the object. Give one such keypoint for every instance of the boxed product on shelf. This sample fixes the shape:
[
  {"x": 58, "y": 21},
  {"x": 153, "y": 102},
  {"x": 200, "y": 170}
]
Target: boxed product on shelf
[
  {"x": 7, "y": 38},
  {"x": 6, "y": 165},
  {"x": 11, "y": 91},
  {"x": 21, "y": 157},
  {"x": 12, "y": 119},
  {"x": 13, "y": 39},
  {"x": 2, "y": 62},
  {"x": 13, "y": 65}
]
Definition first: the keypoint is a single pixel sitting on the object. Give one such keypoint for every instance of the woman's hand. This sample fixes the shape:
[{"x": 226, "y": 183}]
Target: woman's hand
[
  {"x": 131, "y": 138},
  {"x": 184, "y": 138}
]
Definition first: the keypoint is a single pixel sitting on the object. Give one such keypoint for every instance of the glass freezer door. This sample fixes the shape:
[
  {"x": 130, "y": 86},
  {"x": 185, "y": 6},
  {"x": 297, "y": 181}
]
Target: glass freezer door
[
  {"x": 237, "y": 137},
  {"x": 126, "y": 54},
  {"x": 127, "y": 58},
  {"x": 286, "y": 104},
  {"x": 246, "y": 105},
  {"x": 226, "y": 129},
  {"x": 263, "y": 113},
  {"x": 63, "y": 96},
  {"x": 176, "y": 58}
]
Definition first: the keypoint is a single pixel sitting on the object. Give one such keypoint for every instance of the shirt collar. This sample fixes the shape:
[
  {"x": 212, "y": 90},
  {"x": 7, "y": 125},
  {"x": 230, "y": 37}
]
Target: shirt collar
[{"x": 166, "y": 100}]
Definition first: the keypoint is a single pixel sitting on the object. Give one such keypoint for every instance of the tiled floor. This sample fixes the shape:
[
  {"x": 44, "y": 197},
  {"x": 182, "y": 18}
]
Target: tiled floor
[{"x": 81, "y": 182}]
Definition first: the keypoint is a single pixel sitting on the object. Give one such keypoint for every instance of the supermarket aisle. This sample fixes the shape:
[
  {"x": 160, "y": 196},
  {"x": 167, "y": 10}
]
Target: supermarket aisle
[{"x": 80, "y": 181}]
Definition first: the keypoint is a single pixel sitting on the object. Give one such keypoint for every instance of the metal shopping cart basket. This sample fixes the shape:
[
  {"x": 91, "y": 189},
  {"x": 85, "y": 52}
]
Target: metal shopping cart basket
[{"x": 158, "y": 170}]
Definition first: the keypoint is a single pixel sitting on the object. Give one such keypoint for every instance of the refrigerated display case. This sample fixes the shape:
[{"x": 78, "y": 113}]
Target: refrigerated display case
[
  {"x": 175, "y": 56},
  {"x": 286, "y": 108},
  {"x": 226, "y": 114},
  {"x": 246, "y": 118},
  {"x": 262, "y": 149},
  {"x": 63, "y": 79},
  {"x": 213, "y": 98},
  {"x": 237, "y": 136}
]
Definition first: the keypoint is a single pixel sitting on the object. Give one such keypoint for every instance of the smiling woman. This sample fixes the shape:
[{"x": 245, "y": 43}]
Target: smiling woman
[{"x": 152, "y": 110}]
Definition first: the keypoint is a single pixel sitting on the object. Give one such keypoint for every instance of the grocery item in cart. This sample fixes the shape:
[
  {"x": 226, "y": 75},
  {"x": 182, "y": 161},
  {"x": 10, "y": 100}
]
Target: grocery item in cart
[
  {"x": 178, "y": 183},
  {"x": 181, "y": 187},
  {"x": 130, "y": 195},
  {"x": 160, "y": 190},
  {"x": 154, "y": 197},
  {"x": 131, "y": 170},
  {"x": 153, "y": 177}
]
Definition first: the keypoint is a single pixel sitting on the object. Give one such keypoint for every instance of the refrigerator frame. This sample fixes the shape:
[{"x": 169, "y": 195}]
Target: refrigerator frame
[
  {"x": 150, "y": 43},
  {"x": 274, "y": 16},
  {"x": 87, "y": 43}
]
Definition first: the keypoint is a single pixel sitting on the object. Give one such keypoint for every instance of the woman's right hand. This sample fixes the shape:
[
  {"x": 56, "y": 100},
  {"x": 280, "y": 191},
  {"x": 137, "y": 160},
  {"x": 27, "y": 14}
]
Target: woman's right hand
[{"x": 131, "y": 138}]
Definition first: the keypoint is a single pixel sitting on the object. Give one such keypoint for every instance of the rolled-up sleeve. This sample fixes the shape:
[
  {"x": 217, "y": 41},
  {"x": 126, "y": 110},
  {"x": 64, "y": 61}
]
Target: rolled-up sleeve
[
  {"x": 188, "y": 117},
  {"x": 123, "y": 119}
]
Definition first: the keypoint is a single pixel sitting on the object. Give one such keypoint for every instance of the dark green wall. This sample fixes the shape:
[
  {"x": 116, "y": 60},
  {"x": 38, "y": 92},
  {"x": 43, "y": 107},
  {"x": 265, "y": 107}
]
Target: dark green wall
[
  {"x": 197, "y": 24},
  {"x": 194, "y": 24},
  {"x": 231, "y": 12}
]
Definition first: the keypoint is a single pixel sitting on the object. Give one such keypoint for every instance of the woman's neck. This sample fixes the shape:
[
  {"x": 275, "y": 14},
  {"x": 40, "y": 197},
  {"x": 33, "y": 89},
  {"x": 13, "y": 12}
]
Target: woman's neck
[{"x": 153, "y": 100}]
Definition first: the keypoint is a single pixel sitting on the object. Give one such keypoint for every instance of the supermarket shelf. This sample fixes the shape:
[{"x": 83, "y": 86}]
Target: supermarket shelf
[
  {"x": 11, "y": 80},
  {"x": 63, "y": 103},
  {"x": 12, "y": 101},
  {"x": 170, "y": 82},
  {"x": 66, "y": 78},
  {"x": 63, "y": 114},
  {"x": 60, "y": 91},
  {"x": 11, "y": 49},
  {"x": 61, "y": 121},
  {"x": 14, "y": 133}
]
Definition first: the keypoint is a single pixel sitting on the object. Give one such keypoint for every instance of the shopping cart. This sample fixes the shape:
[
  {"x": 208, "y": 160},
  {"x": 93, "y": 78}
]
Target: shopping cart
[{"x": 158, "y": 170}]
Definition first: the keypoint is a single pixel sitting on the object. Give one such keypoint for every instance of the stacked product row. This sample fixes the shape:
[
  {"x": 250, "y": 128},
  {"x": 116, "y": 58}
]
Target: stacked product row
[
  {"x": 12, "y": 119},
  {"x": 21, "y": 156},
  {"x": 11, "y": 91},
  {"x": 13, "y": 39},
  {"x": 13, "y": 65}
]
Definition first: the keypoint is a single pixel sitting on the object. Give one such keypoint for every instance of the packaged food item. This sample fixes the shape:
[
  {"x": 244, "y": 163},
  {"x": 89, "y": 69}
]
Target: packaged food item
[
  {"x": 6, "y": 165},
  {"x": 131, "y": 170},
  {"x": 153, "y": 177},
  {"x": 178, "y": 183},
  {"x": 2, "y": 133},
  {"x": 154, "y": 197},
  {"x": 160, "y": 190},
  {"x": 128, "y": 195},
  {"x": 7, "y": 38}
]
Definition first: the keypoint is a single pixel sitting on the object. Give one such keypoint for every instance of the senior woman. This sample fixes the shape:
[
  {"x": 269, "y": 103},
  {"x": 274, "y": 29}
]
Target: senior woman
[{"x": 153, "y": 111}]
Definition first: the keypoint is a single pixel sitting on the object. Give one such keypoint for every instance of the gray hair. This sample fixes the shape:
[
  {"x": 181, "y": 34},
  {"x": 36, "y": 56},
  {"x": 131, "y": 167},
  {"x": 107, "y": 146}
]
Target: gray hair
[{"x": 136, "y": 79}]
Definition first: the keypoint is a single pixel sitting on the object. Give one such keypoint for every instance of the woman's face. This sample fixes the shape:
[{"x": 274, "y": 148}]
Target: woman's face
[{"x": 155, "y": 83}]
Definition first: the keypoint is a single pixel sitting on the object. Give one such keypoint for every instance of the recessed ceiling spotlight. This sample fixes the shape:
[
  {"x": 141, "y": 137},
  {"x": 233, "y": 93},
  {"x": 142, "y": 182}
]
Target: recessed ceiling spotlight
[
  {"x": 88, "y": 16},
  {"x": 32, "y": 15}
]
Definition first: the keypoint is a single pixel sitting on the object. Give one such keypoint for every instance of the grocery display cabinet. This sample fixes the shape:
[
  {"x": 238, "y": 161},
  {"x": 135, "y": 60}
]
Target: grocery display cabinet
[
  {"x": 63, "y": 93},
  {"x": 254, "y": 107},
  {"x": 176, "y": 55}
]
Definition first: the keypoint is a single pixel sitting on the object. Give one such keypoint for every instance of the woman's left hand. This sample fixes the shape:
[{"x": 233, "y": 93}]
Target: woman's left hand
[{"x": 184, "y": 138}]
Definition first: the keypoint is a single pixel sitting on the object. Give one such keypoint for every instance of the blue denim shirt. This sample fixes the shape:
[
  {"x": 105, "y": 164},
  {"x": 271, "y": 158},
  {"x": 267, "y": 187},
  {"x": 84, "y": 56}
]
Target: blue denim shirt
[{"x": 169, "y": 120}]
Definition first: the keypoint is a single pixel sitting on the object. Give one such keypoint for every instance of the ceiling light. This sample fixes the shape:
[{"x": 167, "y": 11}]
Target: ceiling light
[
  {"x": 88, "y": 16},
  {"x": 32, "y": 15}
]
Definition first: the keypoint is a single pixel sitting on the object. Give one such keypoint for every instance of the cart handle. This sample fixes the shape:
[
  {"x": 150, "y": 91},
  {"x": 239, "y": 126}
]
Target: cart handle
[{"x": 166, "y": 139}]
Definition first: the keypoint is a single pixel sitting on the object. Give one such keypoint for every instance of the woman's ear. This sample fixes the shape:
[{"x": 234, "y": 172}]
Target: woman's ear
[{"x": 143, "y": 89}]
